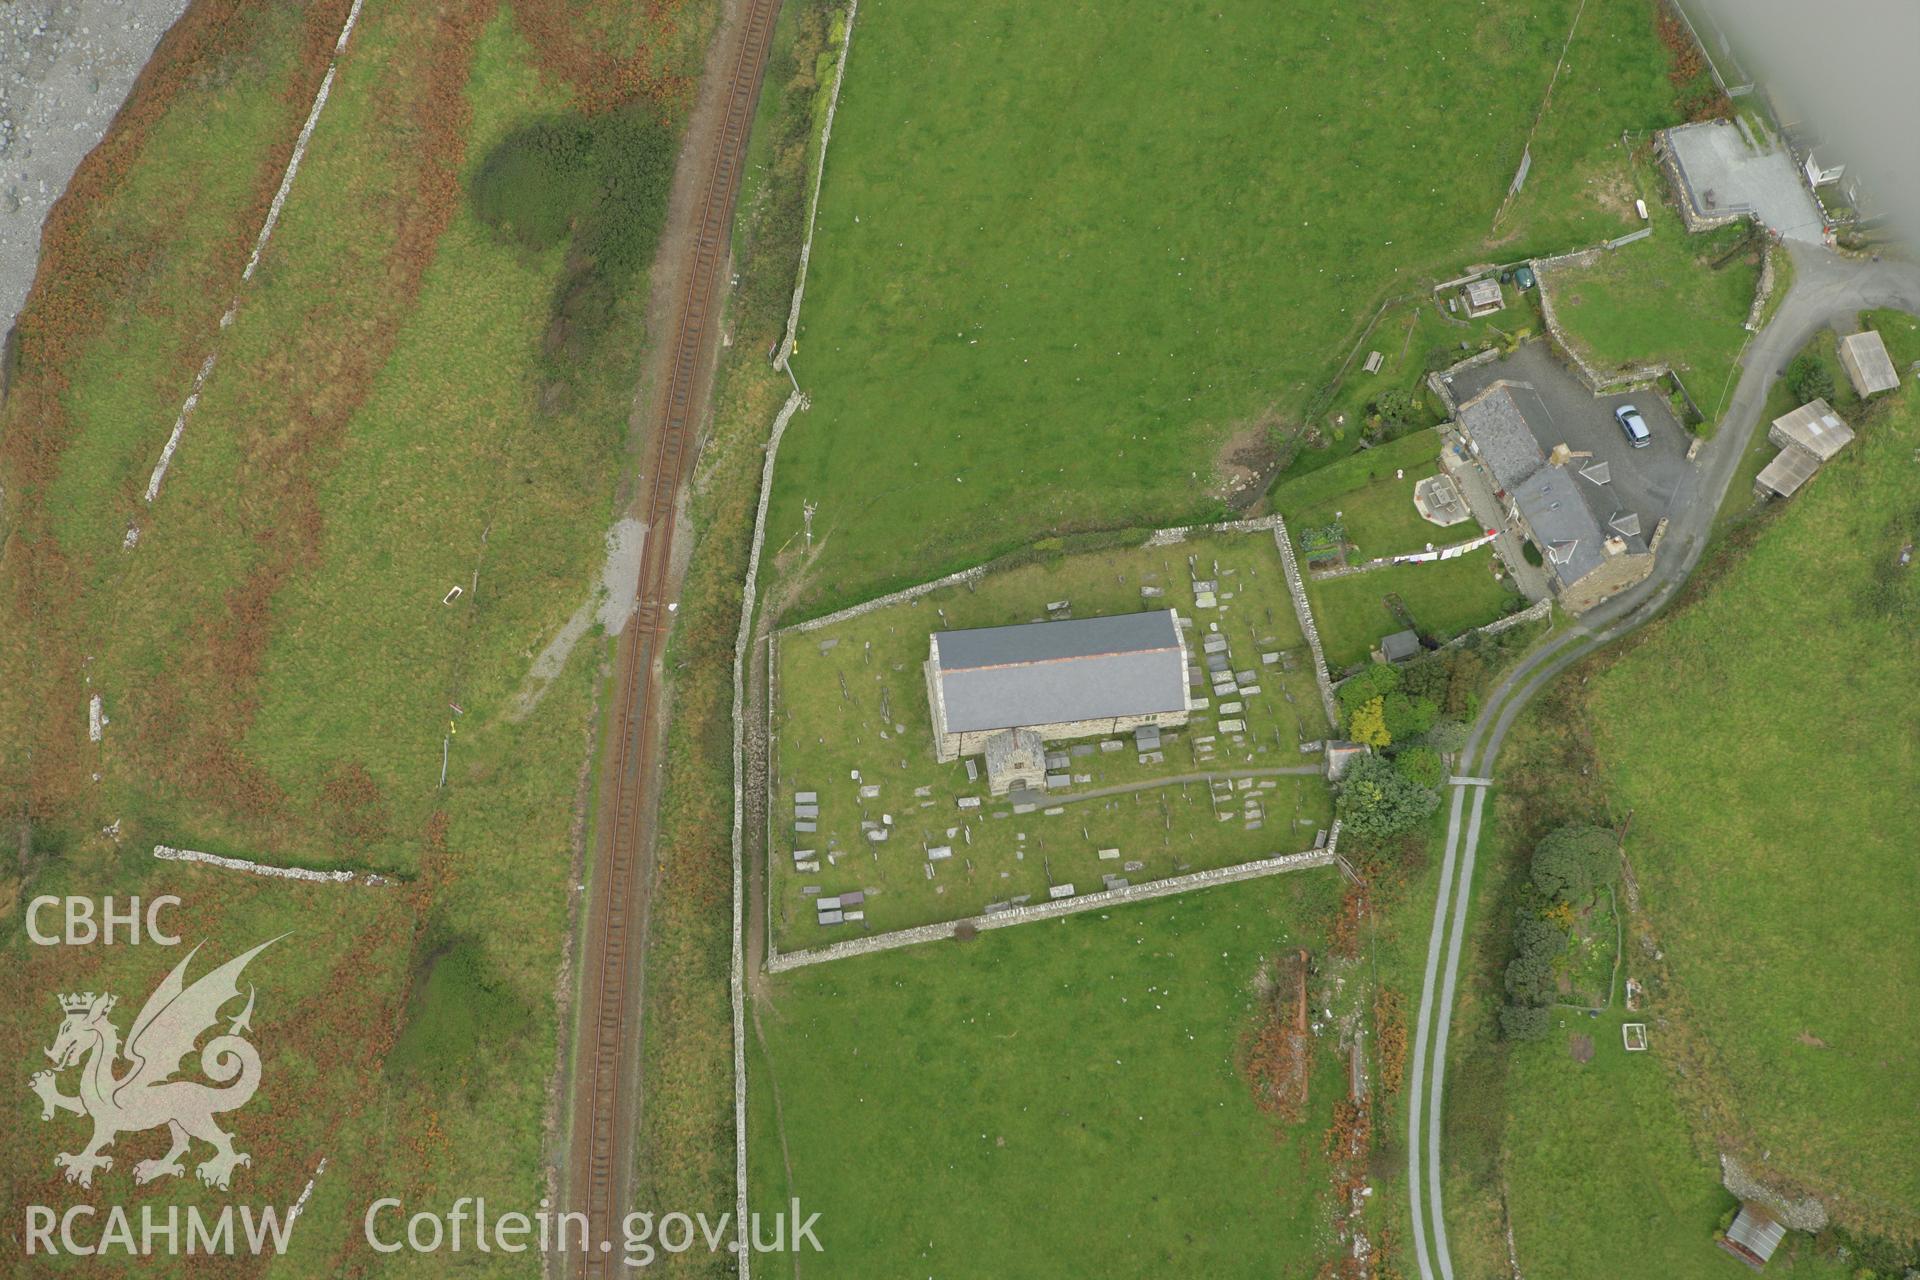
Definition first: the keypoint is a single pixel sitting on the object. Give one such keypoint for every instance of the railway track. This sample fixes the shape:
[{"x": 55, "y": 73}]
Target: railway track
[{"x": 607, "y": 1069}]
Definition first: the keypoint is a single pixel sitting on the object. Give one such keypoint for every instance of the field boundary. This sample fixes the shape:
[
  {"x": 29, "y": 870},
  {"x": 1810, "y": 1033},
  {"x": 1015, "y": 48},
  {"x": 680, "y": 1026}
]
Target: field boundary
[
  {"x": 743, "y": 642},
  {"x": 1298, "y": 591},
  {"x": 267, "y": 225},
  {"x": 736, "y": 969},
  {"x": 782, "y": 962},
  {"x": 813, "y": 214},
  {"x": 167, "y": 853}
]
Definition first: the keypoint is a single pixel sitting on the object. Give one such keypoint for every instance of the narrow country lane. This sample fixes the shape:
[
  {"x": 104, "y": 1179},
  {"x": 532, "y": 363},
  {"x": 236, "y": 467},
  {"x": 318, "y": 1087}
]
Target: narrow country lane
[{"x": 1827, "y": 288}]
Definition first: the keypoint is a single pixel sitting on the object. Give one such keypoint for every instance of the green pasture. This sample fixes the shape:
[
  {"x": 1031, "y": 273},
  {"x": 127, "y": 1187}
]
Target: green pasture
[
  {"x": 1034, "y": 308},
  {"x": 1774, "y": 825},
  {"x": 1064, "y": 1091}
]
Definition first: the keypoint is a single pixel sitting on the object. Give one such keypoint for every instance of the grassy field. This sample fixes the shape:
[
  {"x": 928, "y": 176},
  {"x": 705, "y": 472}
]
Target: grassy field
[
  {"x": 852, "y": 698},
  {"x": 1065, "y": 1091},
  {"x": 1444, "y": 597},
  {"x": 1611, "y": 1132},
  {"x": 1801, "y": 803},
  {"x": 1663, "y": 299},
  {"x": 1033, "y": 309},
  {"x": 384, "y": 422},
  {"x": 1901, "y": 333}
]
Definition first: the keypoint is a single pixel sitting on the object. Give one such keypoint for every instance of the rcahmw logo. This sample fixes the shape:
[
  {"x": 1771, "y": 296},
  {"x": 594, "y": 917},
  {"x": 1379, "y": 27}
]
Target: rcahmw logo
[{"x": 130, "y": 1086}]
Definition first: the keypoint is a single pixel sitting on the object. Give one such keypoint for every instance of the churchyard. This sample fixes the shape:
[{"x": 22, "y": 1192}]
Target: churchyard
[{"x": 861, "y": 811}]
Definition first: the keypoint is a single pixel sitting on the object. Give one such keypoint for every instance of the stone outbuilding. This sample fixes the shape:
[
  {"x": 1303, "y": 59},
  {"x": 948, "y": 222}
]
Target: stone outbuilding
[
  {"x": 1865, "y": 358},
  {"x": 1075, "y": 678},
  {"x": 1400, "y": 646},
  {"x": 1808, "y": 437}
]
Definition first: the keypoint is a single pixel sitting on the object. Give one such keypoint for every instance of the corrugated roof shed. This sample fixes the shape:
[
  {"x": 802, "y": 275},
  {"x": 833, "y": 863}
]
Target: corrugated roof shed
[
  {"x": 1815, "y": 427},
  {"x": 1053, "y": 672},
  {"x": 1789, "y": 469},
  {"x": 1500, "y": 434},
  {"x": 1867, "y": 363},
  {"x": 1753, "y": 1236}
]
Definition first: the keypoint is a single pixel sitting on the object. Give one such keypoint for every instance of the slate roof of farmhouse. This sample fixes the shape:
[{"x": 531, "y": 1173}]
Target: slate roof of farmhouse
[
  {"x": 1562, "y": 523},
  {"x": 1498, "y": 428},
  {"x": 1052, "y": 672}
]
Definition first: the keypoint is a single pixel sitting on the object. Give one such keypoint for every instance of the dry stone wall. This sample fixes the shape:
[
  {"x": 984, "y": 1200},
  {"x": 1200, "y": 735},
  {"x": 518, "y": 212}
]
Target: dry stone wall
[{"x": 781, "y": 962}]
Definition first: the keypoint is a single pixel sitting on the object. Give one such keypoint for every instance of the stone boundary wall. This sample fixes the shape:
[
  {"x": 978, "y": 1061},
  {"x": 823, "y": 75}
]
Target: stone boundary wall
[
  {"x": 1159, "y": 538},
  {"x": 1532, "y": 613},
  {"x": 806, "y": 245},
  {"x": 778, "y": 962},
  {"x": 167, "y": 853},
  {"x": 253, "y": 262},
  {"x": 1298, "y": 591},
  {"x": 1763, "y": 291},
  {"x": 1450, "y": 552},
  {"x": 736, "y": 969},
  {"x": 743, "y": 639}
]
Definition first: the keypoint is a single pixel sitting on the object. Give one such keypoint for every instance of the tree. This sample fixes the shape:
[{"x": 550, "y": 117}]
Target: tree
[
  {"x": 1408, "y": 717},
  {"x": 1427, "y": 676},
  {"x": 1422, "y": 764},
  {"x": 1376, "y": 680},
  {"x": 1536, "y": 945},
  {"x": 1376, "y": 799},
  {"x": 1525, "y": 1022},
  {"x": 1809, "y": 377},
  {"x": 1368, "y": 724},
  {"x": 1447, "y": 736},
  {"x": 1571, "y": 861}
]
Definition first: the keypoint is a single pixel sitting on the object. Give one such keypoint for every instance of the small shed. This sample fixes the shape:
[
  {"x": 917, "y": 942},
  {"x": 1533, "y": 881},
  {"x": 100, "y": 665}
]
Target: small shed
[
  {"x": 1483, "y": 298},
  {"x": 1815, "y": 427},
  {"x": 1867, "y": 363},
  {"x": 1782, "y": 477},
  {"x": 1754, "y": 1235},
  {"x": 1400, "y": 646}
]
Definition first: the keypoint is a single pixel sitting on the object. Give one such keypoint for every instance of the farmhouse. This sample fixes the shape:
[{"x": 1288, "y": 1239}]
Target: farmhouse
[
  {"x": 1867, "y": 363},
  {"x": 1807, "y": 437},
  {"x": 1000, "y": 691},
  {"x": 1545, "y": 500}
]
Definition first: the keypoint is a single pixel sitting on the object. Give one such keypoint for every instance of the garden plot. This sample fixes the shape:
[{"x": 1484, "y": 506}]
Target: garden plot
[{"x": 870, "y": 832}]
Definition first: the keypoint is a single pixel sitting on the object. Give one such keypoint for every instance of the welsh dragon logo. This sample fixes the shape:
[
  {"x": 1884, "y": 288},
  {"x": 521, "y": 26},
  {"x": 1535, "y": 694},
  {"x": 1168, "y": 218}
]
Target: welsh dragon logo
[{"x": 144, "y": 1095}]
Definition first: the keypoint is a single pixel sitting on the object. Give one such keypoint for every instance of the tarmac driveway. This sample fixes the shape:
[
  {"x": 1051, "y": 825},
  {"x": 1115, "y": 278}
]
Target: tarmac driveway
[{"x": 1561, "y": 410}]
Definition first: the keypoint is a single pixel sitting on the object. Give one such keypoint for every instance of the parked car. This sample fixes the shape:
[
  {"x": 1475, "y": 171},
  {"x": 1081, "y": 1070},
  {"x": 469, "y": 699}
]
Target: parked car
[{"x": 1634, "y": 425}]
